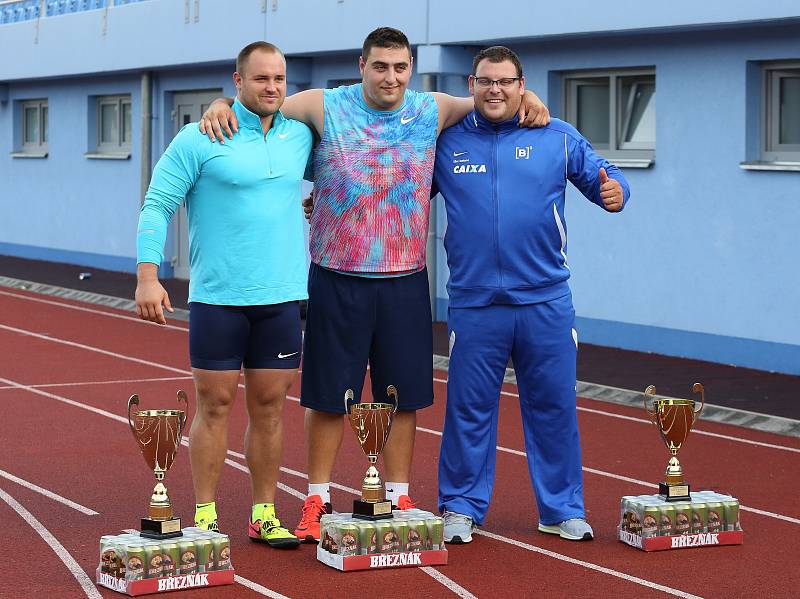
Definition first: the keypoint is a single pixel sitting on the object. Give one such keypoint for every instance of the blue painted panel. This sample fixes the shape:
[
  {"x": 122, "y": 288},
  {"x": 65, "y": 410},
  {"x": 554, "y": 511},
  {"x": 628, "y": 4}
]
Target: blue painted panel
[
  {"x": 106, "y": 262},
  {"x": 750, "y": 353}
]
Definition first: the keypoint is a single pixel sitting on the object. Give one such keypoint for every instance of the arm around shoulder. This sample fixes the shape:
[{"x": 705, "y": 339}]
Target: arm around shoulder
[
  {"x": 451, "y": 109},
  {"x": 307, "y": 107}
]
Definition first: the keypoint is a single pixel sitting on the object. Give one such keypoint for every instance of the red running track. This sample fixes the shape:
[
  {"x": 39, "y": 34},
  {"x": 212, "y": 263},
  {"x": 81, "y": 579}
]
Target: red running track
[{"x": 68, "y": 369}]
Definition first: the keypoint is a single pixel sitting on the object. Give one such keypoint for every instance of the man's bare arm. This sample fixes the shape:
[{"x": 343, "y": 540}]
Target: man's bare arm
[
  {"x": 219, "y": 120},
  {"x": 307, "y": 107},
  {"x": 532, "y": 112}
]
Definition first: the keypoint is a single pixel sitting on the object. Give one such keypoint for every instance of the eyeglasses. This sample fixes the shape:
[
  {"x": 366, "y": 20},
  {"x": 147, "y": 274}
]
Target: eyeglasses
[{"x": 505, "y": 82}]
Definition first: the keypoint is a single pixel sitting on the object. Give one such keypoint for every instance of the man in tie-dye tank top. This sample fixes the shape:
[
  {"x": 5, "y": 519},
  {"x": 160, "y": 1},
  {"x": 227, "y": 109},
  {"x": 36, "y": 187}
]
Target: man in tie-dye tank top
[{"x": 368, "y": 286}]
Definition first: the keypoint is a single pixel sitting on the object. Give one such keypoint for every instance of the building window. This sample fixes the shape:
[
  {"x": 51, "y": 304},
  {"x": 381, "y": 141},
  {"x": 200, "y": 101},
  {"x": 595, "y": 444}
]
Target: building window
[
  {"x": 616, "y": 112},
  {"x": 114, "y": 125},
  {"x": 34, "y": 126},
  {"x": 782, "y": 113}
]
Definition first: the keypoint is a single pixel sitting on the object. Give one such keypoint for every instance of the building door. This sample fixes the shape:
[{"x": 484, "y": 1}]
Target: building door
[{"x": 188, "y": 107}]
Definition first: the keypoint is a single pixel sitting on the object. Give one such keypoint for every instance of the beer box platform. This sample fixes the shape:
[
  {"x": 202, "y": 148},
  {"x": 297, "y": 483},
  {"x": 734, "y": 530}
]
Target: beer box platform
[
  {"x": 410, "y": 538},
  {"x": 649, "y": 523},
  {"x": 135, "y": 565}
]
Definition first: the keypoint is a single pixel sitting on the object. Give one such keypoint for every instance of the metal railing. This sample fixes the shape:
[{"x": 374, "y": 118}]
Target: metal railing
[{"x": 15, "y": 11}]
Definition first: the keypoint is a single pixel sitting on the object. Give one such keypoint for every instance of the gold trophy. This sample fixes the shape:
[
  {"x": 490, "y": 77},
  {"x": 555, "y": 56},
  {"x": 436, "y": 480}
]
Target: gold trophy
[
  {"x": 674, "y": 419},
  {"x": 159, "y": 433},
  {"x": 371, "y": 423}
]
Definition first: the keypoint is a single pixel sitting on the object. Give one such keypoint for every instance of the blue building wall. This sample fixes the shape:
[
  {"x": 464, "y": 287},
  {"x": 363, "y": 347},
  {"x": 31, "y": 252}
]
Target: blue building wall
[
  {"x": 702, "y": 263},
  {"x": 66, "y": 207}
]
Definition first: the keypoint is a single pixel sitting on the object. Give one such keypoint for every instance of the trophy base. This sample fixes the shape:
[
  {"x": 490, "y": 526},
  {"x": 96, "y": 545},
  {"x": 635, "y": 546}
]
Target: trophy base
[
  {"x": 366, "y": 510},
  {"x": 161, "y": 529},
  {"x": 674, "y": 492}
]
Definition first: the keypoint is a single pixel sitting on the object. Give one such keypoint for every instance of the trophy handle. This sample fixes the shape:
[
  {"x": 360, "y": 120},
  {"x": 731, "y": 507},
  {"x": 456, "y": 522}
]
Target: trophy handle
[
  {"x": 349, "y": 396},
  {"x": 698, "y": 388},
  {"x": 182, "y": 397},
  {"x": 132, "y": 401},
  {"x": 391, "y": 391},
  {"x": 649, "y": 392}
]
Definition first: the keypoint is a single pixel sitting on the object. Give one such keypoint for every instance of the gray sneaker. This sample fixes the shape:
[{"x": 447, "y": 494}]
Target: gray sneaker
[
  {"x": 575, "y": 529},
  {"x": 457, "y": 528}
]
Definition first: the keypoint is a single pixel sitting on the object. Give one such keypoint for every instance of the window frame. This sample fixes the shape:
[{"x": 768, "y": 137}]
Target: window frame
[
  {"x": 632, "y": 154},
  {"x": 772, "y": 149},
  {"x": 120, "y": 146},
  {"x": 40, "y": 145}
]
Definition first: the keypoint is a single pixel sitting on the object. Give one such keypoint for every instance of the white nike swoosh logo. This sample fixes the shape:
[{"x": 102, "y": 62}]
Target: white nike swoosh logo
[
  {"x": 459, "y": 153},
  {"x": 406, "y": 120},
  {"x": 282, "y": 356},
  {"x": 283, "y": 136}
]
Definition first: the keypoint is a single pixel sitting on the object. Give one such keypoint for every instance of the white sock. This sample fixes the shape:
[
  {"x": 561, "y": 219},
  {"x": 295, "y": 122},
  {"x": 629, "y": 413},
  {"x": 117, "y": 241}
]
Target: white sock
[
  {"x": 394, "y": 490},
  {"x": 322, "y": 489}
]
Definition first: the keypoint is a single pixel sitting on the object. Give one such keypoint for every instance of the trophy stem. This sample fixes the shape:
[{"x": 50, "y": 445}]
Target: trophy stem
[
  {"x": 160, "y": 505},
  {"x": 674, "y": 473},
  {"x": 372, "y": 490}
]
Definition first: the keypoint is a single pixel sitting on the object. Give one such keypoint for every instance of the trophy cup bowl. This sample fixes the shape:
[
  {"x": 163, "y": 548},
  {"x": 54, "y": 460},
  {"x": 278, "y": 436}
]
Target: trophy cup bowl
[
  {"x": 371, "y": 423},
  {"x": 159, "y": 434},
  {"x": 674, "y": 419}
]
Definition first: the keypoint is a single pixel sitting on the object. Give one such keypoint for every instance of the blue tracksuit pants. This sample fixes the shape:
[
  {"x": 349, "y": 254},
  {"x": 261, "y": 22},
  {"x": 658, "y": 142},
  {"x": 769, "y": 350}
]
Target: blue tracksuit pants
[{"x": 543, "y": 344}]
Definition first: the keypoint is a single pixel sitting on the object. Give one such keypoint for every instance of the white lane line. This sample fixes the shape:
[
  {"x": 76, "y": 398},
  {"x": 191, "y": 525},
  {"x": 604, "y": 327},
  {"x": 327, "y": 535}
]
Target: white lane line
[
  {"x": 93, "y": 311},
  {"x": 645, "y": 421},
  {"x": 448, "y": 582},
  {"x": 170, "y": 368},
  {"x": 258, "y": 588},
  {"x": 65, "y": 400},
  {"x": 589, "y": 565},
  {"x": 105, "y": 352},
  {"x": 49, "y": 494},
  {"x": 116, "y": 382},
  {"x": 695, "y": 431},
  {"x": 86, "y": 583}
]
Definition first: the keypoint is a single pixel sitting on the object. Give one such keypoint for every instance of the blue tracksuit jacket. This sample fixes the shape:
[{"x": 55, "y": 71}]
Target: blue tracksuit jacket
[{"x": 504, "y": 189}]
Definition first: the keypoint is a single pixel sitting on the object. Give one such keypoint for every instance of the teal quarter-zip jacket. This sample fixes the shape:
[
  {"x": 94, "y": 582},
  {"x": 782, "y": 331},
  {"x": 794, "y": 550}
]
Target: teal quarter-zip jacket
[{"x": 246, "y": 243}]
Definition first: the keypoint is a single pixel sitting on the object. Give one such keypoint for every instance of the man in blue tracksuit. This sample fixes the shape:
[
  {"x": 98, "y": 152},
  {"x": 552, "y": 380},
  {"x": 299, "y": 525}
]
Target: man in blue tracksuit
[{"x": 506, "y": 248}]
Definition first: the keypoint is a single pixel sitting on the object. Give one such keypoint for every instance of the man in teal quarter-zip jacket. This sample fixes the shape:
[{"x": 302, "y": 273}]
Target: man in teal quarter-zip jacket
[
  {"x": 506, "y": 245},
  {"x": 247, "y": 275}
]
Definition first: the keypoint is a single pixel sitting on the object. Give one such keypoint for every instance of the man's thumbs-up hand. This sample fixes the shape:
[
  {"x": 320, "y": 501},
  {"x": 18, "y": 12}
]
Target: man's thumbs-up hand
[{"x": 610, "y": 192}]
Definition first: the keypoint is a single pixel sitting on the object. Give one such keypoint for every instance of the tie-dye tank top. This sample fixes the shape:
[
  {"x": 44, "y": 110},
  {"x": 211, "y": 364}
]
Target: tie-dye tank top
[{"x": 372, "y": 189}]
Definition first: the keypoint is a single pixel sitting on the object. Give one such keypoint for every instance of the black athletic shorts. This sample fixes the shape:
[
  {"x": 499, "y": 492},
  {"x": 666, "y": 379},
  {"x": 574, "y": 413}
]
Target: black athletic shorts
[
  {"x": 225, "y": 337},
  {"x": 353, "y": 321}
]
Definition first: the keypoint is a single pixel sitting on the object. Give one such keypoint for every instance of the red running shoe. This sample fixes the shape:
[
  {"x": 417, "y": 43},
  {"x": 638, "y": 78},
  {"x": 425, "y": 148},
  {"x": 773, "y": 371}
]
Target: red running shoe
[
  {"x": 313, "y": 510},
  {"x": 404, "y": 503}
]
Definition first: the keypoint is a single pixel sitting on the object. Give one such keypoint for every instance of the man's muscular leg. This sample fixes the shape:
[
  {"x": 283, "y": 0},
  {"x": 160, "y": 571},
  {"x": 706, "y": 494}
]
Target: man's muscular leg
[
  {"x": 400, "y": 447},
  {"x": 265, "y": 396},
  {"x": 208, "y": 437},
  {"x": 323, "y": 438}
]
